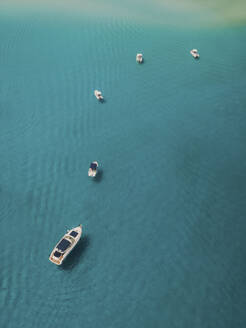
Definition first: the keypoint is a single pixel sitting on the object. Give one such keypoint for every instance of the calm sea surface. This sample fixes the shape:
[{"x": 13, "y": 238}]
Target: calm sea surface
[{"x": 165, "y": 222}]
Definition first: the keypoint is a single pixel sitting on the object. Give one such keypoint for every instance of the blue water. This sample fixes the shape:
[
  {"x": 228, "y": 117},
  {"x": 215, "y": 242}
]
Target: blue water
[{"x": 164, "y": 224}]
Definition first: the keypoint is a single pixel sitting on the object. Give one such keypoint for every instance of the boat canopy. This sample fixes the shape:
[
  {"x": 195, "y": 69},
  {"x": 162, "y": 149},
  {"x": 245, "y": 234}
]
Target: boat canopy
[
  {"x": 63, "y": 245},
  {"x": 73, "y": 233},
  {"x": 93, "y": 166}
]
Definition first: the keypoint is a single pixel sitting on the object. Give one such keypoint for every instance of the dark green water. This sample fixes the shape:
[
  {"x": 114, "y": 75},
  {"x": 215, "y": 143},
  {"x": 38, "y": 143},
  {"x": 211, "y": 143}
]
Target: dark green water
[{"x": 164, "y": 225}]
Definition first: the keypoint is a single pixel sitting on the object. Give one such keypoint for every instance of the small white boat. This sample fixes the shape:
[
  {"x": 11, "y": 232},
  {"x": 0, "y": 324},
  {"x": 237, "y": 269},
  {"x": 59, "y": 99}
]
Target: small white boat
[
  {"x": 139, "y": 58},
  {"x": 93, "y": 169},
  {"x": 65, "y": 245},
  {"x": 194, "y": 53},
  {"x": 98, "y": 95}
]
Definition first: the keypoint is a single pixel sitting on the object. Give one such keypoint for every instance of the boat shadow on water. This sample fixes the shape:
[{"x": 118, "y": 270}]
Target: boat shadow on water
[{"x": 76, "y": 254}]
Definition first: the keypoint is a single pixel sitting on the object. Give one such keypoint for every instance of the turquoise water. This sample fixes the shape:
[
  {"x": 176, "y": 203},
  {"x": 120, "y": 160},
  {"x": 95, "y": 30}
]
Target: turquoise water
[{"x": 164, "y": 225}]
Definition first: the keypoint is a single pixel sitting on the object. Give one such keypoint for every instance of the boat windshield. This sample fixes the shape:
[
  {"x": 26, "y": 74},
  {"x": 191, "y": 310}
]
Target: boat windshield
[
  {"x": 57, "y": 254},
  {"x": 63, "y": 245},
  {"x": 93, "y": 166},
  {"x": 73, "y": 233}
]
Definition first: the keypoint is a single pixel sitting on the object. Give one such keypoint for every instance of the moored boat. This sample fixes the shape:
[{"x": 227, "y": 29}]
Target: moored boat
[
  {"x": 194, "y": 53},
  {"x": 65, "y": 245},
  {"x": 98, "y": 94},
  {"x": 139, "y": 58},
  {"x": 92, "y": 172}
]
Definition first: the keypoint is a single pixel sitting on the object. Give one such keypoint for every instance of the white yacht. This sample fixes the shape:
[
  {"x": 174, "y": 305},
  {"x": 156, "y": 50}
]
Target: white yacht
[
  {"x": 194, "y": 53},
  {"x": 98, "y": 95},
  {"x": 93, "y": 169},
  {"x": 65, "y": 245},
  {"x": 139, "y": 58}
]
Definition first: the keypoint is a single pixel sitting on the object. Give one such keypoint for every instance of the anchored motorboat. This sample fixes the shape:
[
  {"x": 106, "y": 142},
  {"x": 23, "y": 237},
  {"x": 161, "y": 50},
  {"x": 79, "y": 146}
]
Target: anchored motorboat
[
  {"x": 65, "y": 245},
  {"x": 194, "y": 53},
  {"x": 98, "y": 95},
  {"x": 139, "y": 58},
  {"x": 93, "y": 169}
]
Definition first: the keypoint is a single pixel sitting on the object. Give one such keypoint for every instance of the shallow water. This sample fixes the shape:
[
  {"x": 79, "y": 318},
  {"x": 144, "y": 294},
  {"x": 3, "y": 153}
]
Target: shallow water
[{"x": 164, "y": 224}]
